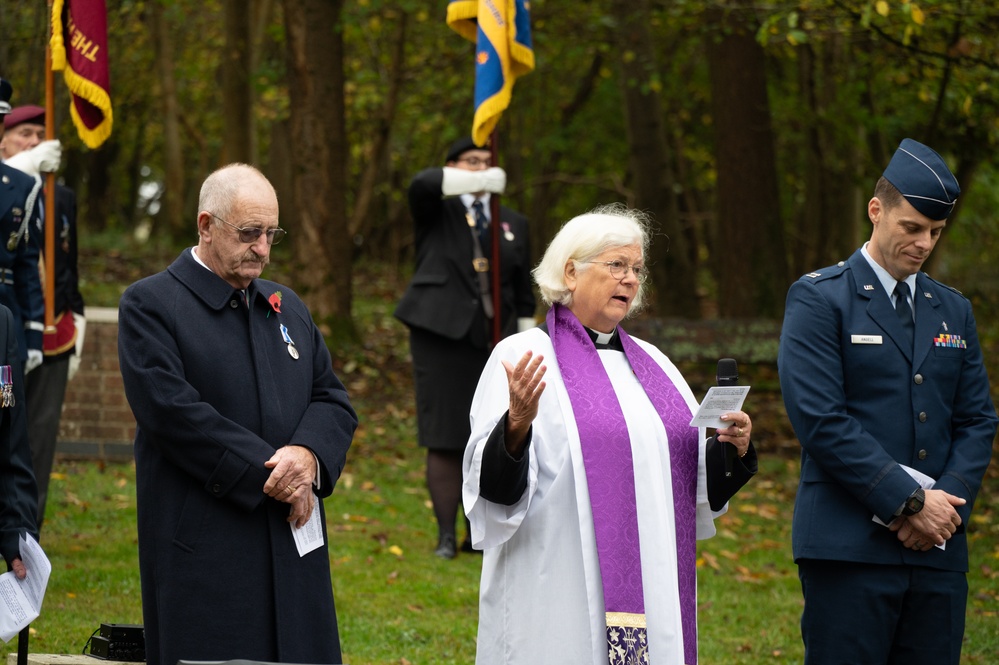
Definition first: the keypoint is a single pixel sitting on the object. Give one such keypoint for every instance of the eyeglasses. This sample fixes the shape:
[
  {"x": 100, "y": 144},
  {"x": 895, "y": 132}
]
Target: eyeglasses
[
  {"x": 475, "y": 161},
  {"x": 250, "y": 234},
  {"x": 619, "y": 270}
]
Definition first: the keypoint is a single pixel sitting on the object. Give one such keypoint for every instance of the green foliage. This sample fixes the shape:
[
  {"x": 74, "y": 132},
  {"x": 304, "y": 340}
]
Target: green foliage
[{"x": 847, "y": 80}]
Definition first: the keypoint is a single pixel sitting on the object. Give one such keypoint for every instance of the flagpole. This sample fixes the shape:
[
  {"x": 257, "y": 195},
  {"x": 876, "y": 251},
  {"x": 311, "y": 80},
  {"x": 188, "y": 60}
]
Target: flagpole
[
  {"x": 494, "y": 262},
  {"x": 50, "y": 205}
]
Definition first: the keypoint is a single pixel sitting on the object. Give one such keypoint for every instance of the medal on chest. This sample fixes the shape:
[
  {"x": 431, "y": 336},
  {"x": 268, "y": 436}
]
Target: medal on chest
[
  {"x": 6, "y": 387},
  {"x": 292, "y": 351}
]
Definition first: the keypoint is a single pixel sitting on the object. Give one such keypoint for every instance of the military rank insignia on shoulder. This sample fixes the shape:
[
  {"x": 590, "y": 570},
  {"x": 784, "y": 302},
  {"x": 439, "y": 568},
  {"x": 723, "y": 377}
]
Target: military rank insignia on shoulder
[{"x": 942, "y": 285}]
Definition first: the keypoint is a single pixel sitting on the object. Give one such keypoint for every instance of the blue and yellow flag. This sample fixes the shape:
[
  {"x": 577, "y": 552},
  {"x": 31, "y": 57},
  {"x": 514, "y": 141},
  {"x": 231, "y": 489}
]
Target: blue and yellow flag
[{"x": 501, "y": 30}]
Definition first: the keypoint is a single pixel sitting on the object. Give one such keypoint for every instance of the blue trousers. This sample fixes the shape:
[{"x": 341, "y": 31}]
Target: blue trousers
[{"x": 869, "y": 614}]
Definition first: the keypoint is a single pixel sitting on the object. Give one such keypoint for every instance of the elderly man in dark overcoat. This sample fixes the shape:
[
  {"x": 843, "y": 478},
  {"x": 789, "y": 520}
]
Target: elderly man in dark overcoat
[{"x": 242, "y": 429}]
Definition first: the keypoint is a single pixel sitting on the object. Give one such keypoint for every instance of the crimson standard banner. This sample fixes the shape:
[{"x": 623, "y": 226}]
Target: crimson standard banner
[{"x": 79, "y": 50}]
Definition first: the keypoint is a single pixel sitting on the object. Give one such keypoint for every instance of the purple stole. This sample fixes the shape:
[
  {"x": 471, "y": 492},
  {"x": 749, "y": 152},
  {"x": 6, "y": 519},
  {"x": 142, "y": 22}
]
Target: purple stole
[{"x": 610, "y": 479}]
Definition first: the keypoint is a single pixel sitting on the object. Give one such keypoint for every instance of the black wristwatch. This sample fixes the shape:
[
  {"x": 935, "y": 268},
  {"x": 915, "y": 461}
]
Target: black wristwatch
[{"x": 914, "y": 503}]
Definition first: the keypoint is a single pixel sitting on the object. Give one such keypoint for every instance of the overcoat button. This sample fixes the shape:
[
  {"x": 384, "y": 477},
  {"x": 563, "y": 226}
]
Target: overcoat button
[
  {"x": 216, "y": 488},
  {"x": 922, "y": 417},
  {"x": 918, "y": 379},
  {"x": 234, "y": 303},
  {"x": 922, "y": 454}
]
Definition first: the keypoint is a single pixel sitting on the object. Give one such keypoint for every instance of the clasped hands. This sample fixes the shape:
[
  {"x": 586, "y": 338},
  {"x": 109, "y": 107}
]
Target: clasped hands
[
  {"x": 293, "y": 470},
  {"x": 933, "y": 525}
]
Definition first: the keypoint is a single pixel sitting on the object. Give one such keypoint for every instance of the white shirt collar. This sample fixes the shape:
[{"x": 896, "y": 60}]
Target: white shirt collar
[
  {"x": 469, "y": 199},
  {"x": 194, "y": 253},
  {"x": 887, "y": 281}
]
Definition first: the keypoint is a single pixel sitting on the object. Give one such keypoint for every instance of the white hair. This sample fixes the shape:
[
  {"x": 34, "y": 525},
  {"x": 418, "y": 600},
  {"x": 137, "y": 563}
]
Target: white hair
[{"x": 585, "y": 237}]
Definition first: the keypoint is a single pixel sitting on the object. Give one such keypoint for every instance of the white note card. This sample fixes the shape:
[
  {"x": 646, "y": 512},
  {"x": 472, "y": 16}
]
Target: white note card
[
  {"x": 310, "y": 536},
  {"x": 21, "y": 600},
  {"x": 719, "y": 401}
]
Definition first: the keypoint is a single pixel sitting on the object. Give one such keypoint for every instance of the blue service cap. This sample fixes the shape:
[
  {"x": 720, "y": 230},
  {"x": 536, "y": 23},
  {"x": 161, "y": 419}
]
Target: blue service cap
[
  {"x": 6, "y": 90},
  {"x": 922, "y": 177}
]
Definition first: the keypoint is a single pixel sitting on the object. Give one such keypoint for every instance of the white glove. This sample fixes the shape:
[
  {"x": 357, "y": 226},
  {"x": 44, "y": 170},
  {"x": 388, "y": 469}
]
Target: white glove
[
  {"x": 34, "y": 360},
  {"x": 80, "y": 322},
  {"x": 44, "y": 157},
  {"x": 525, "y": 323},
  {"x": 462, "y": 181}
]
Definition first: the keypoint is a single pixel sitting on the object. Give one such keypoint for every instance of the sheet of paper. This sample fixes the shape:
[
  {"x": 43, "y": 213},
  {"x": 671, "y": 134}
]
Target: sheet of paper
[
  {"x": 719, "y": 401},
  {"x": 21, "y": 600},
  {"x": 310, "y": 536},
  {"x": 926, "y": 482}
]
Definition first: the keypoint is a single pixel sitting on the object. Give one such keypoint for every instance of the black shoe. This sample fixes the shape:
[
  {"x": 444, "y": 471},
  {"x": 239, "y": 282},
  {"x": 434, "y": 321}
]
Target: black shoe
[
  {"x": 446, "y": 548},
  {"x": 466, "y": 546}
]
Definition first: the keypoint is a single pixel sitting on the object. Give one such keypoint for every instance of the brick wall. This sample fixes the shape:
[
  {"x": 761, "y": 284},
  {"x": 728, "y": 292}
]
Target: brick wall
[{"x": 96, "y": 420}]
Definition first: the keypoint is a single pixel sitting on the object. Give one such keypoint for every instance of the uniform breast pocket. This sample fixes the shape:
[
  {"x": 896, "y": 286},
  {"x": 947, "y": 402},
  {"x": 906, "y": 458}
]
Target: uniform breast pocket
[{"x": 949, "y": 352}]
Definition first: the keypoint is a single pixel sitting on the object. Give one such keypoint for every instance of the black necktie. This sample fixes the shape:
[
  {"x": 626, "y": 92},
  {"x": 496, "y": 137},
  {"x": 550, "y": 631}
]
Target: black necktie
[
  {"x": 481, "y": 223},
  {"x": 904, "y": 311}
]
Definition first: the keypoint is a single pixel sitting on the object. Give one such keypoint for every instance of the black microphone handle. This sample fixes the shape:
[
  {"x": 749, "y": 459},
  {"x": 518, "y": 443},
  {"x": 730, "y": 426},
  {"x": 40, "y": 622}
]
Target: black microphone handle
[{"x": 728, "y": 375}]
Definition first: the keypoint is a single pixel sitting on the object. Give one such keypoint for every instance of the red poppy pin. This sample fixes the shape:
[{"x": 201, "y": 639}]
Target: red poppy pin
[{"x": 275, "y": 301}]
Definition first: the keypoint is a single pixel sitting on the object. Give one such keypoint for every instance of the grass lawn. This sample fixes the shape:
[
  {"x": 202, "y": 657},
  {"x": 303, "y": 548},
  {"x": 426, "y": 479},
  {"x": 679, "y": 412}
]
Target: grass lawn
[{"x": 398, "y": 604}]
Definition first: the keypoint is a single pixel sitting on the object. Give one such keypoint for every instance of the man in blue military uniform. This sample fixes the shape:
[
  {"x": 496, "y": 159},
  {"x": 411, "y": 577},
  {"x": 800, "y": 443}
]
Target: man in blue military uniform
[
  {"x": 18, "y": 499},
  {"x": 23, "y": 147},
  {"x": 20, "y": 283},
  {"x": 883, "y": 380}
]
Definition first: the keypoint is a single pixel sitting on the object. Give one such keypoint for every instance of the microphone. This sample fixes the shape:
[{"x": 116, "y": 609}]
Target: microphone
[{"x": 727, "y": 374}]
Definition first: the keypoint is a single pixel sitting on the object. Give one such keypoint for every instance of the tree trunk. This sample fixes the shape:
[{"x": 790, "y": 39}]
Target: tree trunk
[
  {"x": 826, "y": 230},
  {"x": 361, "y": 218},
  {"x": 751, "y": 265},
  {"x": 670, "y": 257},
  {"x": 239, "y": 144},
  {"x": 318, "y": 134},
  {"x": 172, "y": 211}
]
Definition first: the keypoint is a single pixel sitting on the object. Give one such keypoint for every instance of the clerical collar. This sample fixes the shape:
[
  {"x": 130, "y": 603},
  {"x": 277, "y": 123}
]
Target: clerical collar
[
  {"x": 603, "y": 341},
  {"x": 611, "y": 340}
]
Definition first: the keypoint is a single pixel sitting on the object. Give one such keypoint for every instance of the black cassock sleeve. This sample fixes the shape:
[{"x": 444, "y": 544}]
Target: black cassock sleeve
[
  {"x": 503, "y": 478},
  {"x": 722, "y": 487}
]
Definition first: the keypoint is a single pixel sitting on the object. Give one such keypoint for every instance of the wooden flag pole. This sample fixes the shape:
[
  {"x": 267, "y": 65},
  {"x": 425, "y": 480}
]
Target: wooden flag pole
[
  {"x": 50, "y": 204},
  {"x": 494, "y": 261}
]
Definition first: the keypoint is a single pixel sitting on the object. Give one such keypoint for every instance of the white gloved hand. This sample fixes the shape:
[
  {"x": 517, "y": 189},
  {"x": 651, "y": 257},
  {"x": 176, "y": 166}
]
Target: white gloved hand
[
  {"x": 80, "y": 322},
  {"x": 34, "y": 360},
  {"x": 43, "y": 158},
  {"x": 462, "y": 181},
  {"x": 525, "y": 323}
]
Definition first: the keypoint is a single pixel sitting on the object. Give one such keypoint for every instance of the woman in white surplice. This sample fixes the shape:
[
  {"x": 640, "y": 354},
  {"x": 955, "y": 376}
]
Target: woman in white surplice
[{"x": 584, "y": 482}]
